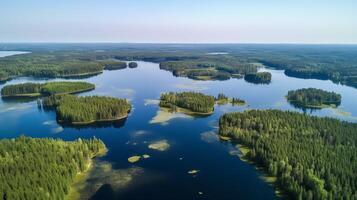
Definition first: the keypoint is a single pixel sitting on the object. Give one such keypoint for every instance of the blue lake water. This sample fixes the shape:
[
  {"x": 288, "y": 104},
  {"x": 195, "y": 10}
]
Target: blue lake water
[{"x": 193, "y": 142}]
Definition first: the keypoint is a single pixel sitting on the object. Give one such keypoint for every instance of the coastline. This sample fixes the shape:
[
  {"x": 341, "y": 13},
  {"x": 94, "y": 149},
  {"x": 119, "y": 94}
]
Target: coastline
[
  {"x": 264, "y": 175},
  {"x": 95, "y": 121},
  {"x": 45, "y": 94},
  {"x": 81, "y": 177},
  {"x": 187, "y": 111}
]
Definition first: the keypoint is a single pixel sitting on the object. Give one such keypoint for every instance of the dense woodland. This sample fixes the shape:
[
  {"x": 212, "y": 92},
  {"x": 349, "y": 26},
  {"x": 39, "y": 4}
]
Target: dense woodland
[
  {"x": 49, "y": 88},
  {"x": 42, "y": 168},
  {"x": 196, "y": 102},
  {"x": 21, "y": 89},
  {"x": 81, "y": 110},
  {"x": 312, "y": 157},
  {"x": 312, "y": 98},
  {"x": 44, "y": 66},
  {"x": 258, "y": 78},
  {"x": 223, "y": 99},
  {"x": 113, "y": 64},
  {"x": 212, "y": 69}
]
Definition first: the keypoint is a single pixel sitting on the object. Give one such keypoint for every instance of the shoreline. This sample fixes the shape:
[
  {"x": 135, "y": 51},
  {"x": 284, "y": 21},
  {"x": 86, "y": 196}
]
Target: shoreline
[
  {"x": 81, "y": 177},
  {"x": 46, "y": 94},
  {"x": 95, "y": 121},
  {"x": 264, "y": 175},
  {"x": 187, "y": 111},
  {"x": 332, "y": 105},
  {"x": 80, "y": 74}
]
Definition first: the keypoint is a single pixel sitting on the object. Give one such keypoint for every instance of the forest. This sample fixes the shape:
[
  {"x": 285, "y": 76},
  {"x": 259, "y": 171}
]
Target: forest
[
  {"x": 193, "y": 101},
  {"x": 223, "y": 99},
  {"x": 258, "y": 78},
  {"x": 88, "y": 109},
  {"x": 45, "y": 168},
  {"x": 313, "y": 98},
  {"x": 43, "y": 89},
  {"x": 113, "y": 64},
  {"x": 209, "y": 68},
  {"x": 311, "y": 157}
]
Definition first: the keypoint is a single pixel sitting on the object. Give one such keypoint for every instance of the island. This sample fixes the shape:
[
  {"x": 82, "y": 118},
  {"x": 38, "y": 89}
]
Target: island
[
  {"x": 44, "y": 168},
  {"x": 113, "y": 64},
  {"x": 77, "y": 110},
  {"x": 313, "y": 98},
  {"x": 258, "y": 78},
  {"x": 209, "y": 68},
  {"x": 305, "y": 156},
  {"x": 222, "y": 99},
  {"x": 45, "y": 89},
  {"x": 133, "y": 65},
  {"x": 188, "y": 102}
]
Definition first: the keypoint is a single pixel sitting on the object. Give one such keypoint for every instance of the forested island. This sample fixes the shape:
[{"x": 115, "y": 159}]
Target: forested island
[
  {"x": 44, "y": 89},
  {"x": 311, "y": 157},
  {"x": 194, "y": 102},
  {"x": 258, "y": 78},
  {"x": 313, "y": 98},
  {"x": 43, "y": 168},
  {"x": 223, "y": 99},
  {"x": 133, "y": 65},
  {"x": 88, "y": 109},
  {"x": 209, "y": 68},
  {"x": 113, "y": 64}
]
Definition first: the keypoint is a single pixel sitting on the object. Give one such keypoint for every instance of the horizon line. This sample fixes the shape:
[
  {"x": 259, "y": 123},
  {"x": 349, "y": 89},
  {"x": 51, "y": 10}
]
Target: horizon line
[{"x": 182, "y": 43}]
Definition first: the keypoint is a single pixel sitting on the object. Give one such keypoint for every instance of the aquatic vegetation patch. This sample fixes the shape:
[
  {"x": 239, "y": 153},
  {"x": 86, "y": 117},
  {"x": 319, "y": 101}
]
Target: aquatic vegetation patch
[
  {"x": 58, "y": 129},
  {"x": 209, "y": 137},
  {"x": 134, "y": 159},
  {"x": 102, "y": 173},
  {"x": 151, "y": 102},
  {"x": 196, "y": 86},
  {"x": 193, "y": 171},
  {"x": 146, "y": 156},
  {"x": 163, "y": 116},
  {"x": 161, "y": 145},
  {"x": 49, "y": 122}
]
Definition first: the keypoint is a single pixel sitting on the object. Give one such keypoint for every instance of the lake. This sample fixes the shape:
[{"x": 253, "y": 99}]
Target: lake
[
  {"x": 11, "y": 53},
  {"x": 193, "y": 143}
]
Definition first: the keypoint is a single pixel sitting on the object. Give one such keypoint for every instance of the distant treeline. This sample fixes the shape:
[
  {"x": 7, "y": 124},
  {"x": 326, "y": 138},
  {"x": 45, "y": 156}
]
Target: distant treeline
[
  {"x": 258, "y": 78},
  {"x": 84, "y": 110},
  {"x": 37, "y": 89},
  {"x": 335, "y": 62},
  {"x": 312, "y": 157},
  {"x": 43, "y": 168},
  {"x": 196, "y": 102},
  {"x": 313, "y": 98}
]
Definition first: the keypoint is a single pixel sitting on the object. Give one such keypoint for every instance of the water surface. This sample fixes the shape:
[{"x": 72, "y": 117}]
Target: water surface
[{"x": 193, "y": 142}]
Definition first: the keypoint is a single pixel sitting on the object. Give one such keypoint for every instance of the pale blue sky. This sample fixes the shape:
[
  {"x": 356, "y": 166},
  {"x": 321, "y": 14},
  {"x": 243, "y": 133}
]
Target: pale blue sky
[{"x": 188, "y": 21}]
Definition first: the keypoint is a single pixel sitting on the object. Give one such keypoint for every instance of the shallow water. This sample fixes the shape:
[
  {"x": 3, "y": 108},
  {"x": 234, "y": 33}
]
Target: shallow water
[{"x": 192, "y": 142}]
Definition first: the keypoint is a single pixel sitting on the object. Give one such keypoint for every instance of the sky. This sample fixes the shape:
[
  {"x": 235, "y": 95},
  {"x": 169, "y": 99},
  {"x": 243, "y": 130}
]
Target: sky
[{"x": 179, "y": 21}]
